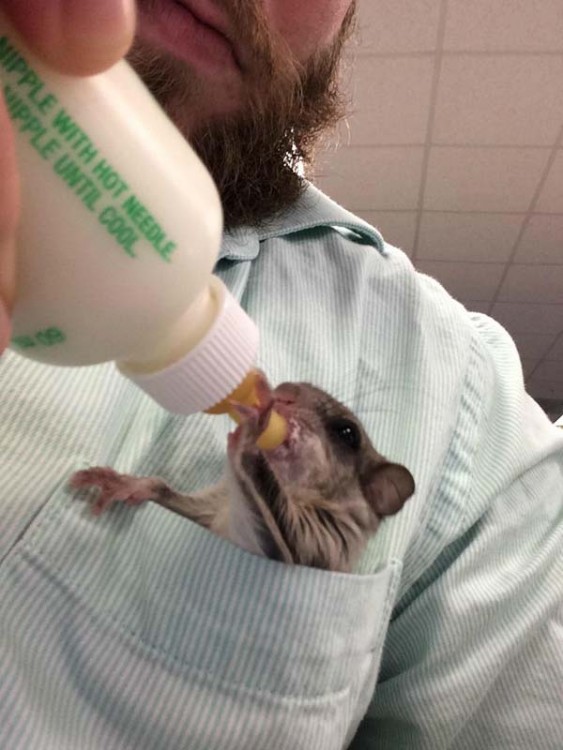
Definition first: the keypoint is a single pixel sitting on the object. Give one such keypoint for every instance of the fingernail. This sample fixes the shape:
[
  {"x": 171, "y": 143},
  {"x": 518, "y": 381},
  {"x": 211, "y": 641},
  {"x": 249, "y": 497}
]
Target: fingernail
[
  {"x": 96, "y": 34},
  {"x": 75, "y": 36},
  {"x": 99, "y": 18}
]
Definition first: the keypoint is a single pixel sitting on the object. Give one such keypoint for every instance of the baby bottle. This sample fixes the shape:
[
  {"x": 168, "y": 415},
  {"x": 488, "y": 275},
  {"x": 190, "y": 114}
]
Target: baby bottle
[{"x": 120, "y": 230}]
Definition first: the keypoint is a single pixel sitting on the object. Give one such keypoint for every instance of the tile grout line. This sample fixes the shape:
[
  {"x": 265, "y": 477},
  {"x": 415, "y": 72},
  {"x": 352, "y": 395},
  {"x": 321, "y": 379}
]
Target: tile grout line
[
  {"x": 541, "y": 184},
  {"x": 545, "y": 358},
  {"x": 440, "y": 36},
  {"x": 529, "y": 213}
]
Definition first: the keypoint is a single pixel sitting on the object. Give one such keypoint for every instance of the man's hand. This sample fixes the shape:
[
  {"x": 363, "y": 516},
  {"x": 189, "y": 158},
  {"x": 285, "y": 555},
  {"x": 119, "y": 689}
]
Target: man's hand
[{"x": 81, "y": 37}]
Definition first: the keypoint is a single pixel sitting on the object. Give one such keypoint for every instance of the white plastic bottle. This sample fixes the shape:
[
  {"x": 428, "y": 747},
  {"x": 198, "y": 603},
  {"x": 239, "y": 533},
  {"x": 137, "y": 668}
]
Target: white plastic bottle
[{"x": 120, "y": 230}]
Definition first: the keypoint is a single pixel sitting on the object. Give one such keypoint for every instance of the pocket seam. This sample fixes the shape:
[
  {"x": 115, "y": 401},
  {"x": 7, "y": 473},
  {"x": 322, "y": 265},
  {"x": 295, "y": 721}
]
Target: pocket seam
[
  {"x": 133, "y": 642},
  {"x": 47, "y": 564}
]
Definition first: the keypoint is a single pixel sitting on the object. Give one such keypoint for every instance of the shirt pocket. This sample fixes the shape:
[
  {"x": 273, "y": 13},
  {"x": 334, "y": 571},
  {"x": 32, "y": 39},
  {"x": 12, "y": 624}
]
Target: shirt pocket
[
  {"x": 142, "y": 630},
  {"x": 30, "y": 484}
]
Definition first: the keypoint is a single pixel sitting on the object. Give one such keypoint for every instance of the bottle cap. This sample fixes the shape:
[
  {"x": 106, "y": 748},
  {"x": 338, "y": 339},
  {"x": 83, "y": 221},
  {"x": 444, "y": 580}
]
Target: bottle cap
[{"x": 213, "y": 368}]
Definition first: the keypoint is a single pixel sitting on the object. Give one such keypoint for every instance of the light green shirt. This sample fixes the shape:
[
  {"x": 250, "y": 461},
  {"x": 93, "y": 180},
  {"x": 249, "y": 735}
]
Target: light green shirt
[{"x": 141, "y": 630}]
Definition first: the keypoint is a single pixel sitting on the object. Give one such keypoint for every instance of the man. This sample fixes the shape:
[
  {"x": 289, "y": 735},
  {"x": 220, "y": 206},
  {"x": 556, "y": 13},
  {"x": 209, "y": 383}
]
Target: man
[{"x": 139, "y": 631}]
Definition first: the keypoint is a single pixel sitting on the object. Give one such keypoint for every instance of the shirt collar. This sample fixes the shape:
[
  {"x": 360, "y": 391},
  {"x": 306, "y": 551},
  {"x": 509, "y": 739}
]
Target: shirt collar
[{"x": 313, "y": 209}]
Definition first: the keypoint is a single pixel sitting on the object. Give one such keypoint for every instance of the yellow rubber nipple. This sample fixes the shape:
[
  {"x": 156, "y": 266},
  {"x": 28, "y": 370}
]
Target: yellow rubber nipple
[
  {"x": 274, "y": 434},
  {"x": 246, "y": 393}
]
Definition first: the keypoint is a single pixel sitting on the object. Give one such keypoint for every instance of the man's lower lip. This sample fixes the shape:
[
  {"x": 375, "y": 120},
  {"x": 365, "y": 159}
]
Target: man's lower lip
[{"x": 173, "y": 27}]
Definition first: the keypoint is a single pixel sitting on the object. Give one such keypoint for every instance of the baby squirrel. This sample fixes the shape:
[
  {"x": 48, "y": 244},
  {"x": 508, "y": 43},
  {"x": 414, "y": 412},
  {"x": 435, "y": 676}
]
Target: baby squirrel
[{"x": 314, "y": 500}]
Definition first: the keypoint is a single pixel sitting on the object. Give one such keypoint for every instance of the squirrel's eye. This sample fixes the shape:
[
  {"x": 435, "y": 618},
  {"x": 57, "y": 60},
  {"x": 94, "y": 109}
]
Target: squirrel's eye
[{"x": 345, "y": 432}]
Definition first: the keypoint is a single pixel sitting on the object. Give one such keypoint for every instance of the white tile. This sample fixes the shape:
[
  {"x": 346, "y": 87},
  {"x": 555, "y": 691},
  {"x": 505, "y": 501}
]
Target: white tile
[
  {"x": 390, "y": 101},
  {"x": 468, "y": 236},
  {"x": 532, "y": 345},
  {"x": 556, "y": 352},
  {"x": 550, "y": 370},
  {"x": 516, "y": 25},
  {"x": 499, "y": 100},
  {"x": 398, "y": 25},
  {"x": 483, "y": 179},
  {"x": 477, "y": 306},
  {"x": 553, "y": 408},
  {"x": 372, "y": 178},
  {"x": 551, "y": 197},
  {"x": 529, "y": 318},
  {"x": 465, "y": 281},
  {"x": 528, "y": 366},
  {"x": 542, "y": 241},
  {"x": 529, "y": 283},
  {"x": 397, "y": 227},
  {"x": 544, "y": 388}
]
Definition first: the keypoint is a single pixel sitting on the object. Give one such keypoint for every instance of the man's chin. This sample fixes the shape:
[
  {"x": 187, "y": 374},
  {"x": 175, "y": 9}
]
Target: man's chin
[
  {"x": 255, "y": 141},
  {"x": 244, "y": 152}
]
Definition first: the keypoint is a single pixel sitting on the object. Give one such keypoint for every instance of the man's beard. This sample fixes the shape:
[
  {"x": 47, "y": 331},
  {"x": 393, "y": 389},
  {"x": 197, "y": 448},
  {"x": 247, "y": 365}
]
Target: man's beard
[{"x": 256, "y": 154}]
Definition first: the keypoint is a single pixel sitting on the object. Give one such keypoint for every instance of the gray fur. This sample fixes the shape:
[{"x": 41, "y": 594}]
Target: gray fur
[{"x": 315, "y": 500}]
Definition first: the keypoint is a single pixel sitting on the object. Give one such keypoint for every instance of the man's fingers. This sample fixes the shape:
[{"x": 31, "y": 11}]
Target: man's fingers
[{"x": 79, "y": 37}]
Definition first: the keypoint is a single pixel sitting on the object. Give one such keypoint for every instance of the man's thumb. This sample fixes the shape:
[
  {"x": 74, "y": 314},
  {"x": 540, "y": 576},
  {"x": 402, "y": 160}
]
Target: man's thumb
[{"x": 80, "y": 37}]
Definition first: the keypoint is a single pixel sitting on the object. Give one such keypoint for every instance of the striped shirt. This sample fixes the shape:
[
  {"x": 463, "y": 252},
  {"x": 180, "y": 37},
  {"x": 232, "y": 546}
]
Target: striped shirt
[{"x": 141, "y": 630}]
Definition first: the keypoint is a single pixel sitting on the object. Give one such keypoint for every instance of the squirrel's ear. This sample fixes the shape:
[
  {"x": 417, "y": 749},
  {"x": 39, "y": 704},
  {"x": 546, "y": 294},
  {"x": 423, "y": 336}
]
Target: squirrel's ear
[{"x": 387, "y": 487}]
